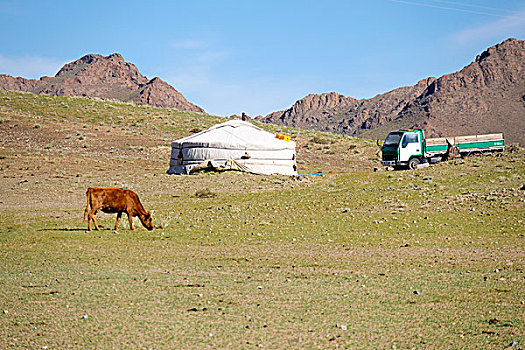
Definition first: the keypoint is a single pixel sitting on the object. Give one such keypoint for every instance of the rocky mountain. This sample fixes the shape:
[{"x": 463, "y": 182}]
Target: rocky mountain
[
  {"x": 103, "y": 77},
  {"x": 486, "y": 96}
]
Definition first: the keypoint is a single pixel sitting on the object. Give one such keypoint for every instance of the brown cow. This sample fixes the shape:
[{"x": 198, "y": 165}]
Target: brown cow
[{"x": 115, "y": 200}]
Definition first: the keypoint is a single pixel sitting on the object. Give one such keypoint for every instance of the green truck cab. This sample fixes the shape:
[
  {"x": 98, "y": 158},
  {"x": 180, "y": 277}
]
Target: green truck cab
[
  {"x": 410, "y": 149},
  {"x": 404, "y": 148}
]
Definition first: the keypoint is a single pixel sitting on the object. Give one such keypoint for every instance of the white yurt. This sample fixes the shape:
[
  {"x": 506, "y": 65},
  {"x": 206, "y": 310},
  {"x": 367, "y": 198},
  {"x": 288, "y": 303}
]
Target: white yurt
[{"x": 235, "y": 145}]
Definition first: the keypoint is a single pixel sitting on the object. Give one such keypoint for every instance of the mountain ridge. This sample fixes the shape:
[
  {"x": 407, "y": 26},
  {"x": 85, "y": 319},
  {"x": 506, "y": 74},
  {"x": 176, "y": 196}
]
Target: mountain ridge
[
  {"x": 105, "y": 77},
  {"x": 488, "y": 95}
]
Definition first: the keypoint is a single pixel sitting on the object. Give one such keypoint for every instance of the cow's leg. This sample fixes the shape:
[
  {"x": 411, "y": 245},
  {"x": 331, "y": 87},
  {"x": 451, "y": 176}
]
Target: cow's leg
[
  {"x": 92, "y": 215},
  {"x": 130, "y": 219},
  {"x": 119, "y": 215},
  {"x": 89, "y": 221}
]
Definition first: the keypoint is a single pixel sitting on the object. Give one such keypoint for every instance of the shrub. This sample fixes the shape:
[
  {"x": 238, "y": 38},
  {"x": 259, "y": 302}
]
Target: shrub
[{"x": 205, "y": 193}]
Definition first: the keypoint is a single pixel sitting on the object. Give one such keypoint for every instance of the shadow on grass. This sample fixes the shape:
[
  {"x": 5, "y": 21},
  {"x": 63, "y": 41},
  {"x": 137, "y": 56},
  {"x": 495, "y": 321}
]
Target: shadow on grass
[{"x": 84, "y": 229}]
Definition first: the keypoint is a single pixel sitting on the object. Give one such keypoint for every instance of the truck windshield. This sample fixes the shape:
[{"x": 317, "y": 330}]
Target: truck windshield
[{"x": 393, "y": 139}]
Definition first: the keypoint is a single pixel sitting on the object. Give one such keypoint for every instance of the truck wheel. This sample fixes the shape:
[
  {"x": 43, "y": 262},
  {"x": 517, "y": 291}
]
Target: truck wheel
[{"x": 413, "y": 163}]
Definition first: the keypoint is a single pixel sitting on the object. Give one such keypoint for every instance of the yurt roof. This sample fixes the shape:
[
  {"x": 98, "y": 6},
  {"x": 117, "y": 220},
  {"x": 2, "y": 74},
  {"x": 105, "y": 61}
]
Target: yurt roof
[{"x": 234, "y": 134}]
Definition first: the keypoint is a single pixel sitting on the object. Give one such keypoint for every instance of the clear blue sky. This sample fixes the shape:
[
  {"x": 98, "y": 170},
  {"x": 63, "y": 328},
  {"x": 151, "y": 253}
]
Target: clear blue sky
[{"x": 258, "y": 57}]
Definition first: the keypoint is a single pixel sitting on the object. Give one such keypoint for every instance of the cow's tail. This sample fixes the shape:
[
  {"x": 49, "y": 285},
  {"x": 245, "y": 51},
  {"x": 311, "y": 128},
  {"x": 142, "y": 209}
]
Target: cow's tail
[{"x": 88, "y": 195}]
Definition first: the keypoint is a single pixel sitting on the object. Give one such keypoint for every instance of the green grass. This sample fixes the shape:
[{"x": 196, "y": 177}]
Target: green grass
[{"x": 432, "y": 258}]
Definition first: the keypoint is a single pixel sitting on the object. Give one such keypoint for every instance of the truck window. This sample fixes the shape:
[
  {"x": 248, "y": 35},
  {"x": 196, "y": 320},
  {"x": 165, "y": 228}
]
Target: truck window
[
  {"x": 392, "y": 139},
  {"x": 410, "y": 138}
]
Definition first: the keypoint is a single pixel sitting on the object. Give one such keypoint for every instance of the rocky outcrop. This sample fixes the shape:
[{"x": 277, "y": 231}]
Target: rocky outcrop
[
  {"x": 10, "y": 83},
  {"x": 102, "y": 77},
  {"x": 486, "y": 96},
  {"x": 337, "y": 113},
  {"x": 158, "y": 93},
  {"x": 319, "y": 110}
]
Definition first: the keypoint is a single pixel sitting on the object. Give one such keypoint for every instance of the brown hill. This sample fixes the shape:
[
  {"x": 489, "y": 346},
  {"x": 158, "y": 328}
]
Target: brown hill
[
  {"x": 486, "y": 96},
  {"x": 106, "y": 78}
]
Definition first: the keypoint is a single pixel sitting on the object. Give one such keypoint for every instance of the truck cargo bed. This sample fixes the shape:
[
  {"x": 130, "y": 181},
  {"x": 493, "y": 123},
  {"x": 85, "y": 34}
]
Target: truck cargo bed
[{"x": 467, "y": 144}]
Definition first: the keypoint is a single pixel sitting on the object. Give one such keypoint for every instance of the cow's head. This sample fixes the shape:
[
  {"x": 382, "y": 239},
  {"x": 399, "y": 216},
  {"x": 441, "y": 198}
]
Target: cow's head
[{"x": 146, "y": 221}]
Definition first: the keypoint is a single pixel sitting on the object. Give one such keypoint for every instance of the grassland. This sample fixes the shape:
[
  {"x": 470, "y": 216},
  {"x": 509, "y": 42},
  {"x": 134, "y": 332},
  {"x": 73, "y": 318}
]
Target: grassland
[{"x": 357, "y": 258}]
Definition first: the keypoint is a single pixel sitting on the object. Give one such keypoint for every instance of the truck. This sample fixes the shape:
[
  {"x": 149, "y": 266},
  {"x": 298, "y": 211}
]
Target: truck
[{"x": 410, "y": 149}]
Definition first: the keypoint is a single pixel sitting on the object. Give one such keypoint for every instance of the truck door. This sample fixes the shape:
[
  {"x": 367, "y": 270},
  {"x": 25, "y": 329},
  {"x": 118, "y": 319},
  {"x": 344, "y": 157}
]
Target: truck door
[{"x": 410, "y": 146}]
